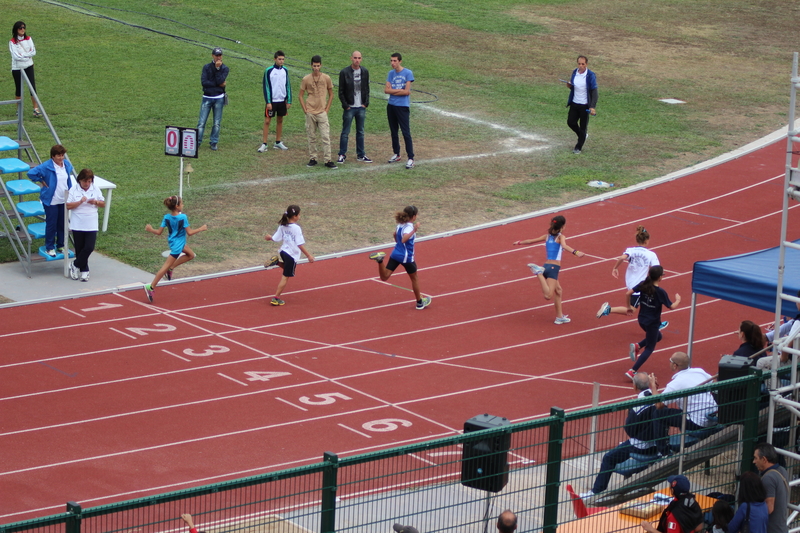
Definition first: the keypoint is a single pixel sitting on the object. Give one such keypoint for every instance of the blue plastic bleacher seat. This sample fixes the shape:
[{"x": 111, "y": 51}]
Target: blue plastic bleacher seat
[
  {"x": 20, "y": 187},
  {"x": 6, "y": 143},
  {"x": 43, "y": 252},
  {"x": 31, "y": 209},
  {"x": 37, "y": 230},
  {"x": 11, "y": 165},
  {"x": 635, "y": 464}
]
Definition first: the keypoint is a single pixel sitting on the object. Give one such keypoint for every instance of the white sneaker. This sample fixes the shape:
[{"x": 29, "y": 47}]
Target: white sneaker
[
  {"x": 280, "y": 146},
  {"x": 585, "y": 495},
  {"x": 410, "y": 163},
  {"x": 84, "y": 276},
  {"x": 564, "y": 319},
  {"x": 262, "y": 148},
  {"x": 73, "y": 272},
  {"x": 536, "y": 269},
  {"x": 394, "y": 159}
]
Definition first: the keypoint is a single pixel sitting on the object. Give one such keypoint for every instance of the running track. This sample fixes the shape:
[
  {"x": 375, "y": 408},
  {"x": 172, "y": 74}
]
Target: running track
[{"x": 106, "y": 397}]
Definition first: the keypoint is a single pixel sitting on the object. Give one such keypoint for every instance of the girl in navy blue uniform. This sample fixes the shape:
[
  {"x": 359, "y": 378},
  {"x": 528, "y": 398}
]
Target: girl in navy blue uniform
[
  {"x": 178, "y": 229},
  {"x": 554, "y": 243},
  {"x": 651, "y": 300},
  {"x": 403, "y": 253}
]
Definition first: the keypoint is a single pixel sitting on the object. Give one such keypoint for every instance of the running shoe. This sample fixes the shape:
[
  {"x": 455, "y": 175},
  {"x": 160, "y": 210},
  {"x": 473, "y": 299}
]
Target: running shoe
[
  {"x": 272, "y": 261},
  {"x": 148, "y": 290},
  {"x": 51, "y": 253},
  {"x": 629, "y": 374},
  {"x": 330, "y": 164},
  {"x": 280, "y": 146},
  {"x": 277, "y": 301},
  {"x": 214, "y": 146},
  {"x": 262, "y": 148},
  {"x": 311, "y": 163},
  {"x": 342, "y": 157},
  {"x": 425, "y": 302},
  {"x": 84, "y": 276},
  {"x": 377, "y": 256},
  {"x": 168, "y": 275},
  {"x": 576, "y": 151},
  {"x": 394, "y": 159},
  {"x": 536, "y": 269},
  {"x": 605, "y": 310},
  {"x": 37, "y": 113},
  {"x": 73, "y": 272},
  {"x": 364, "y": 159},
  {"x": 564, "y": 319},
  {"x": 633, "y": 351},
  {"x": 410, "y": 163},
  {"x": 663, "y": 325}
]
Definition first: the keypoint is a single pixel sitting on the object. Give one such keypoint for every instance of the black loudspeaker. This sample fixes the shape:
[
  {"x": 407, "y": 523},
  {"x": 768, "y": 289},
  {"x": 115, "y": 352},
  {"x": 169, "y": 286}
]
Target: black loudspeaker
[
  {"x": 484, "y": 463},
  {"x": 731, "y": 400}
]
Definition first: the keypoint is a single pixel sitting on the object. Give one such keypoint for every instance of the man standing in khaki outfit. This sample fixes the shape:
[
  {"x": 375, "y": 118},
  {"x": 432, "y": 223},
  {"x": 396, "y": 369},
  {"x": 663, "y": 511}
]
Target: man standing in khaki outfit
[{"x": 316, "y": 106}]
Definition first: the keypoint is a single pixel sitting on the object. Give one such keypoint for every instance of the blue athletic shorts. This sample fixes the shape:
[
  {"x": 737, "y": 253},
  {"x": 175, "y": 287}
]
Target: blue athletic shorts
[{"x": 551, "y": 271}]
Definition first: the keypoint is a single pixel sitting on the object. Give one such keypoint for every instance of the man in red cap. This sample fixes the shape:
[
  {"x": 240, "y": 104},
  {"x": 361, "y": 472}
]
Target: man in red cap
[{"x": 683, "y": 514}]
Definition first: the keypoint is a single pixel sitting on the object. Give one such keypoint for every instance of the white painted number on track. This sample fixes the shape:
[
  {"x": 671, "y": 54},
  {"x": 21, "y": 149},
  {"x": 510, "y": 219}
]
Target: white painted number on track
[
  {"x": 158, "y": 328},
  {"x": 265, "y": 376},
  {"x": 212, "y": 349},
  {"x": 101, "y": 307},
  {"x": 327, "y": 398},
  {"x": 386, "y": 424}
]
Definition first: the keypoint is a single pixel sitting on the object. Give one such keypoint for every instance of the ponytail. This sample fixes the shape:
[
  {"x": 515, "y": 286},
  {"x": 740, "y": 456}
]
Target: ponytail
[
  {"x": 648, "y": 285},
  {"x": 291, "y": 212}
]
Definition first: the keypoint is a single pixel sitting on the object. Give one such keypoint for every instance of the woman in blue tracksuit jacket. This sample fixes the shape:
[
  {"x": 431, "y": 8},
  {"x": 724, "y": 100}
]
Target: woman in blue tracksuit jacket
[{"x": 53, "y": 176}]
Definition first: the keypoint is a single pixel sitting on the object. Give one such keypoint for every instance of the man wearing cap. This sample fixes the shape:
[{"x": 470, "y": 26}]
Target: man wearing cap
[
  {"x": 507, "y": 522},
  {"x": 213, "y": 78},
  {"x": 682, "y": 515},
  {"x": 775, "y": 479}
]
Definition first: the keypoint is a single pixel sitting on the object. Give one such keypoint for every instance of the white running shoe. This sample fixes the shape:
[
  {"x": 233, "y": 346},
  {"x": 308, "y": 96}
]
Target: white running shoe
[
  {"x": 262, "y": 148},
  {"x": 564, "y": 319},
  {"x": 280, "y": 146},
  {"x": 394, "y": 159}
]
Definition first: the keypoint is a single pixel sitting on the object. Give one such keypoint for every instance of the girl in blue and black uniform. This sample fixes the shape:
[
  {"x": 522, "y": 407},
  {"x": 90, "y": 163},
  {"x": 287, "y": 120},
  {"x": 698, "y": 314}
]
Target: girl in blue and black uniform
[
  {"x": 650, "y": 301},
  {"x": 554, "y": 242},
  {"x": 403, "y": 253}
]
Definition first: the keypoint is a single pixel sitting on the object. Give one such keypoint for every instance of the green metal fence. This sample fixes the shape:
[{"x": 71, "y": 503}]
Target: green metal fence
[{"x": 426, "y": 484}]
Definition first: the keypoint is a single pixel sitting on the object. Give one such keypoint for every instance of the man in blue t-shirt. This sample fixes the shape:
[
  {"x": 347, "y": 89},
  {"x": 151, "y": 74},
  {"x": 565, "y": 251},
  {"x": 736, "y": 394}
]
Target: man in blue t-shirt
[{"x": 398, "y": 87}]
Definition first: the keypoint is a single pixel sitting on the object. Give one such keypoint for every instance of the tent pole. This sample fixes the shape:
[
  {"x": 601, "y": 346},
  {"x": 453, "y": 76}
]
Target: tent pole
[{"x": 691, "y": 327}]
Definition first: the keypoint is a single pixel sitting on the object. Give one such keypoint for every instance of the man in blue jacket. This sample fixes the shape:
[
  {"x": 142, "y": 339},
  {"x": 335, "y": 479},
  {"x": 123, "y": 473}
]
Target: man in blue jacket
[
  {"x": 213, "y": 78},
  {"x": 582, "y": 101}
]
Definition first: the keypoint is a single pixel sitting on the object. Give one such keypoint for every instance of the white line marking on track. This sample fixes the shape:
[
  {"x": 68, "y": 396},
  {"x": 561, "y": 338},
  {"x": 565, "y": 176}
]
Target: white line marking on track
[
  {"x": 71, "y": 311},
  {"x": 292, "y": 404},
  {"x": 232, "y": 379},
  {"x": 355, "y": 431},
  {"x": 176, "y": 355},
  {"x": 123, "y": 333}
]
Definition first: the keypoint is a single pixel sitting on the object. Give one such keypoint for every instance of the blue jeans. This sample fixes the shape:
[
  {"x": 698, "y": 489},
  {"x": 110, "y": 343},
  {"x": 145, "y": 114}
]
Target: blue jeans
[
  {"x": 54, "y": 226},
  {"x": 360, "y": 114},
  {"x": 205, "y": 107},
  {"x": 612, "y": 458},
  {"x": 399, "y": 118}
]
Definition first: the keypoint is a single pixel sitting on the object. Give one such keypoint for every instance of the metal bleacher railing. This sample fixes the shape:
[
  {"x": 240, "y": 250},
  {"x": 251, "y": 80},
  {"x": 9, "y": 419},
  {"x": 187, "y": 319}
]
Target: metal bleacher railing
[{"x": 423, "y": 484}]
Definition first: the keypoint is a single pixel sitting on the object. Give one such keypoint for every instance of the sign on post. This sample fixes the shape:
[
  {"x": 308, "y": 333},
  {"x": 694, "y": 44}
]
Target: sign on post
[{"x": 181, "y": 142}]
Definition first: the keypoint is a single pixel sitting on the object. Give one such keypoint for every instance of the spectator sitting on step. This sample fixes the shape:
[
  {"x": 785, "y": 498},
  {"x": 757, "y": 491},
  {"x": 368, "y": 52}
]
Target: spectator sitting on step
[
  {"x": 683, "y": 514},
  {"x": 752, "y": 339},
  {"x": 698, "y": 406},
  {"x": 639, "y": 428}
]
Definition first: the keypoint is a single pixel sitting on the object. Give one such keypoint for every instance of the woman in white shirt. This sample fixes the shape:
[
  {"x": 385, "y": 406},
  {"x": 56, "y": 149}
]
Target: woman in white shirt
[
  {"x": 22, "y": 52},
  {"x": 83, "y": 201}
]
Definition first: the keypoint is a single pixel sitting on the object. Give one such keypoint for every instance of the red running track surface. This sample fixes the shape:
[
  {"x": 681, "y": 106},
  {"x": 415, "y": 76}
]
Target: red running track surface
[{"x": 107, "y": 398}]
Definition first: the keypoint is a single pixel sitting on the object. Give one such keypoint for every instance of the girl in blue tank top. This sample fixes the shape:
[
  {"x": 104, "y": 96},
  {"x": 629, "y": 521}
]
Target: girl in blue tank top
[{"x": 554, "y": 243}]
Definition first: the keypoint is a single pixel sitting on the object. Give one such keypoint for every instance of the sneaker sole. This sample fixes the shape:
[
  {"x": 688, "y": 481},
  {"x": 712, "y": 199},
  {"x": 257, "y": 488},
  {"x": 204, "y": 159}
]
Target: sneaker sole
[
  {"x": 148, "y": 294},
  {"x": 602, "y": 312},
  {"x": 632, "y": 352},
  {"x": 279, "y": 303},
  {"x": 377, "y": 256}
]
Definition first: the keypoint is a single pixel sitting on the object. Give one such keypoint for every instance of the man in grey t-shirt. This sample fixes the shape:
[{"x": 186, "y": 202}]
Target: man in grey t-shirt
[{"x": 775, "y": 479}]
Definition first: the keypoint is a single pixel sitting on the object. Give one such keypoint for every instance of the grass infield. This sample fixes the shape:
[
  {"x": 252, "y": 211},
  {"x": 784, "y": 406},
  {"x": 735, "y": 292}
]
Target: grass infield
[{"x": 488, "y": 118}]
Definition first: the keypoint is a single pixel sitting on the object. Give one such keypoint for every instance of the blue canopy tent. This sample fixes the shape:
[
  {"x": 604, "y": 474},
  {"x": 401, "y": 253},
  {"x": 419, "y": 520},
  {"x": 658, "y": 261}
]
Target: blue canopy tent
[{"x": 749, "y": 279}]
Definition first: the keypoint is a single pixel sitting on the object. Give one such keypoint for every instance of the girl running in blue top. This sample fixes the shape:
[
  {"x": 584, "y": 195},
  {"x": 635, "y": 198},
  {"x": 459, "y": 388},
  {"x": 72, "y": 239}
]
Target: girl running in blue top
[
  {"x": 554, "y": 242},
  {"x": 290, "y": 235},
  {"x": 403, "y": 253},
  {"x": 178, "y": 229},
  {"x": 650, "y": 301}
]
